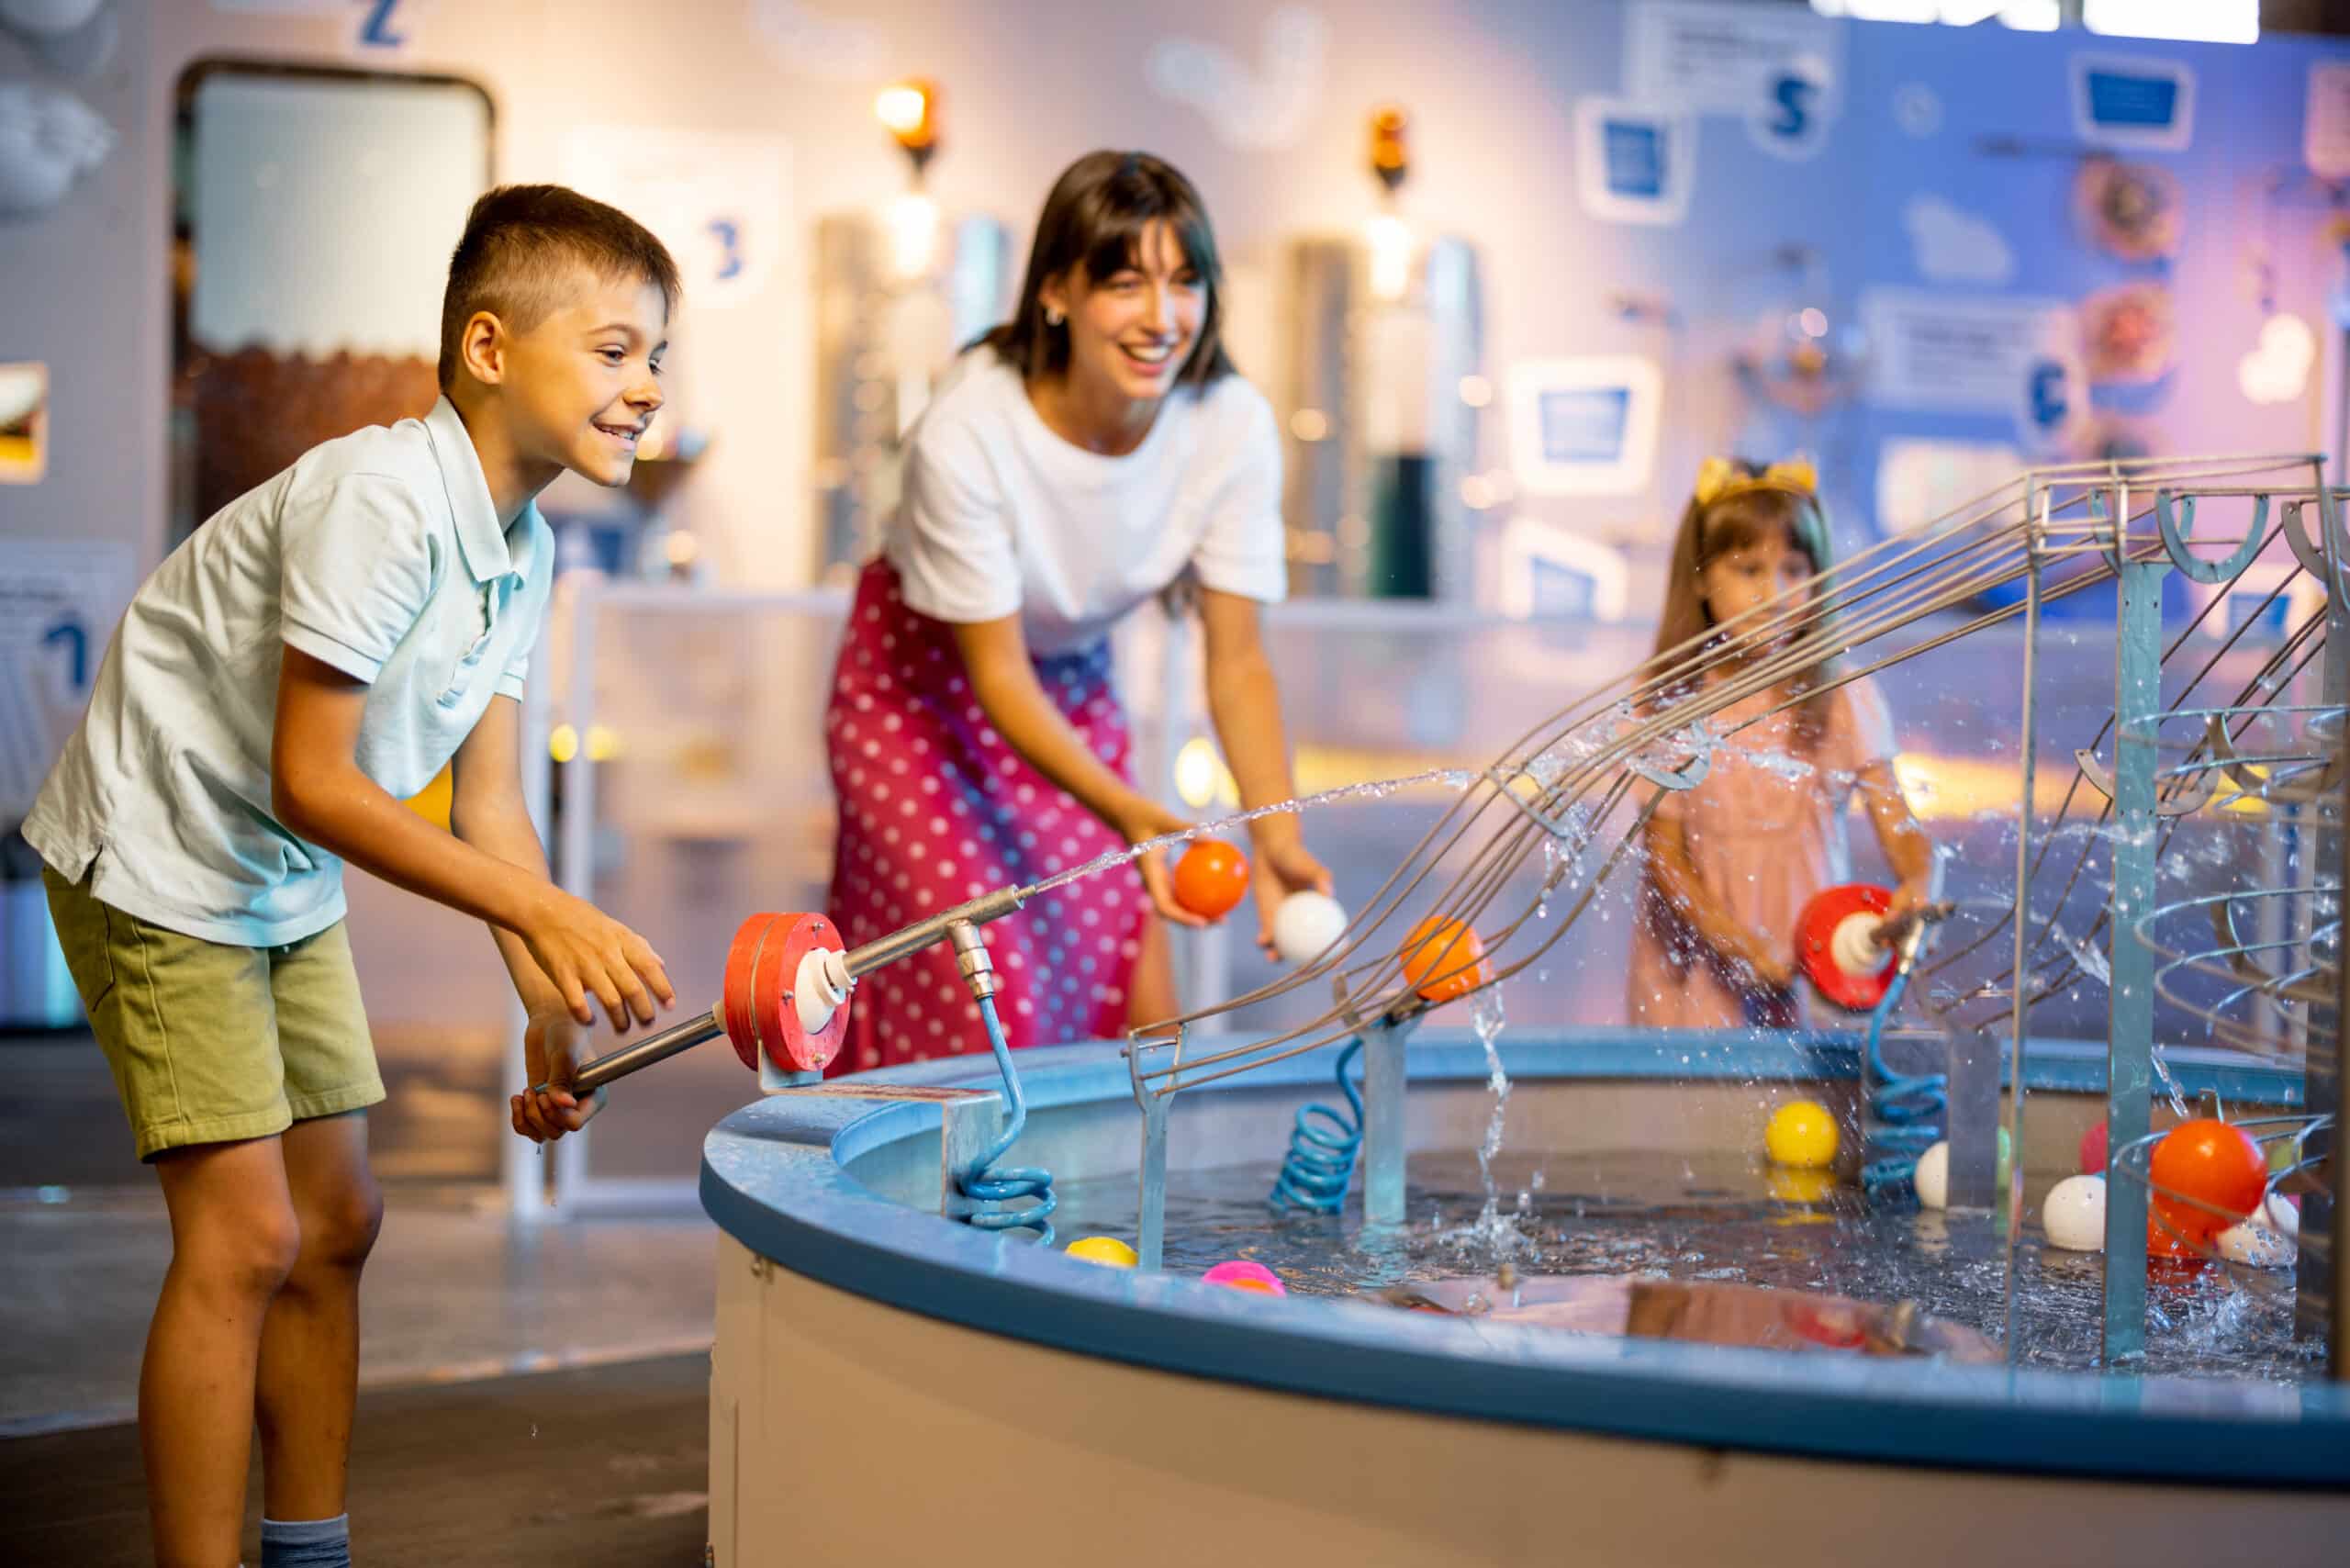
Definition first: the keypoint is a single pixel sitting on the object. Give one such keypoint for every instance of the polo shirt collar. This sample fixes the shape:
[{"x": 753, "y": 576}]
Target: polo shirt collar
[{"x": 488, "y": 553}]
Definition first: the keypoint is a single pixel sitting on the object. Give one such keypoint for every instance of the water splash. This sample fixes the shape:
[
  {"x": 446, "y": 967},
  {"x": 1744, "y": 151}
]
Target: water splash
[{"x": 1373, "y": 790}]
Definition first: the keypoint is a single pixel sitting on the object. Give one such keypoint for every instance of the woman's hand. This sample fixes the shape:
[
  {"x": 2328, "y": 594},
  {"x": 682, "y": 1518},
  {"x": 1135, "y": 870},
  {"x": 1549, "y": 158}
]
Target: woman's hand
[
  {"x": 1139, "y": 821},
  {"x": 1283, "y": 866}
]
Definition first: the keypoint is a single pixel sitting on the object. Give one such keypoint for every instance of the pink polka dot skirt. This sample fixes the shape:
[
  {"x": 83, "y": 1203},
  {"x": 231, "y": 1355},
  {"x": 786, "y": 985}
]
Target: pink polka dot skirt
[{"x": 935, "y": 808}]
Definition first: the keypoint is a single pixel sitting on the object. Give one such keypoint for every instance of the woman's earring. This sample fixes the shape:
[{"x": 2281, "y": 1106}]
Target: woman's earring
[{"x": 1052, "y": 317}]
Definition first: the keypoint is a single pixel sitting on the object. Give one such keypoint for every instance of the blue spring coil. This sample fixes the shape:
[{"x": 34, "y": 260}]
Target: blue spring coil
[
  {"x": 1321, "y": 1159},
  {"x": 986, "y": 1182},
  {"x": 1898, "y": 1104}
]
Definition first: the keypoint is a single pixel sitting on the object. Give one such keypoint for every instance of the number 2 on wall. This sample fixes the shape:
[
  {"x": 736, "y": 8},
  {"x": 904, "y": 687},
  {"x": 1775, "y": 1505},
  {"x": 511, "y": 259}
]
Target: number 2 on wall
[{"x": 377, "y": 32}]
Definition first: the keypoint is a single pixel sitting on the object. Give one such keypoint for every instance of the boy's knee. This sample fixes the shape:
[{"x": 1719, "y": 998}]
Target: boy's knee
[
  {"x": 251, "y": 1255},
  {"x": 340, "y": 1231}
]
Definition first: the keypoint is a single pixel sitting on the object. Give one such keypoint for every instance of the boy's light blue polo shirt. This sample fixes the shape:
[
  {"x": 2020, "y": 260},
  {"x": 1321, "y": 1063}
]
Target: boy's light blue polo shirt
[{"x": 379, "y": 552}]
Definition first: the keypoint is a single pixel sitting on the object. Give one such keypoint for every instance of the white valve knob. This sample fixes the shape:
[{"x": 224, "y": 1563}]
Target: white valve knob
[
  {"x": 1853, "y": 947},
  {"x": 820, "y": 988}
]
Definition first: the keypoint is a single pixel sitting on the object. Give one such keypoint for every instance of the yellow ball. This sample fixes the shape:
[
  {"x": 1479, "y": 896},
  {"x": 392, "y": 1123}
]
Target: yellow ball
[
  {"x": 1803, "y": 1135},
  {"x": 1107, "y": 1250}
]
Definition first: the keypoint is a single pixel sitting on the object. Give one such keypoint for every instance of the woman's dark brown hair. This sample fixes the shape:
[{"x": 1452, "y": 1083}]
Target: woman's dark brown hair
[
  {"x": 1741, "y": 518},
  {"x": 1095, "y": 220}
]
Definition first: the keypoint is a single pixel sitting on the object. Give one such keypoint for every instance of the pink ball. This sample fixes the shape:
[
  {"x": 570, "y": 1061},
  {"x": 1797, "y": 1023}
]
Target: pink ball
[
  {"x": 1240, "y": 1274},
  {"x": 2093, "y": 1150}
]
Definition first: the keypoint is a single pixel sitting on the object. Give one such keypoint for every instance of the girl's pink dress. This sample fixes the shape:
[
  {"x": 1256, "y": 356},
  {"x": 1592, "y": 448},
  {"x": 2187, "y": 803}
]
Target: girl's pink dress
[
  {"x": 936, "y": 808},
  {"x": 1765, "y": 831}
]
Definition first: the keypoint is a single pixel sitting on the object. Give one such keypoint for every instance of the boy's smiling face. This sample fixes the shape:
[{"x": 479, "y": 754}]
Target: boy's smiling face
[{"x": 582, "y": 386}]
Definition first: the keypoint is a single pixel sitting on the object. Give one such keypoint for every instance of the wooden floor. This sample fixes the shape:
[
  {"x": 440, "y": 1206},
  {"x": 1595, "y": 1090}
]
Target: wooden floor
[{"x": 465, "y": 1475}]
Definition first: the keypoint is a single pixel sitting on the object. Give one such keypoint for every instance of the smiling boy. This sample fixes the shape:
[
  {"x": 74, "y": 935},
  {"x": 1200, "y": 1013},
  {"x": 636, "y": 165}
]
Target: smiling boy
[{"x": 316, "y": 651}]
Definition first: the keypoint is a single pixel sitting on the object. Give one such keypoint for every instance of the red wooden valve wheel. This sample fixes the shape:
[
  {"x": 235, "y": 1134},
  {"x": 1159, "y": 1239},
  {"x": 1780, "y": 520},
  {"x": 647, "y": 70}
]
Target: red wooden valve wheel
[
  {"x": 1836, "y": 949},
  {"x": 759, "y": 1007}
]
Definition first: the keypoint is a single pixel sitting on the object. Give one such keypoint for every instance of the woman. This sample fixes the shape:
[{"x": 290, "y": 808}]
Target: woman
[{"x": 1079, "y": 460}]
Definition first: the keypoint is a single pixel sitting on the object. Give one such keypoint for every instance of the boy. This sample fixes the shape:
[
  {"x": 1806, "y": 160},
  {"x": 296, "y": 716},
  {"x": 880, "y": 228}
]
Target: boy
[{"x": 314, "y": 653}]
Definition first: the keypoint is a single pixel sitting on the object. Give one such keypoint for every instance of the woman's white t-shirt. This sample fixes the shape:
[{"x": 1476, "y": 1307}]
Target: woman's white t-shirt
[{"x": 998, "y": 515}]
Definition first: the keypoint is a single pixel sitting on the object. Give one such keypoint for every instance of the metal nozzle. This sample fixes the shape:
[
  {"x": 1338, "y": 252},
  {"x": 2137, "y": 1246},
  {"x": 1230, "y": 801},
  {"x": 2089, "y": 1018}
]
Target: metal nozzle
[
  {"x": 922, "y": 932},
  {"x": 971, "y": 957}
]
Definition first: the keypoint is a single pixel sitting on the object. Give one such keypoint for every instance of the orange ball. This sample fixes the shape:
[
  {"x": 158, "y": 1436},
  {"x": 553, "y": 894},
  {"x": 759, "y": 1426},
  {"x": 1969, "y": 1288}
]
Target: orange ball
[
  {"x": 1211, "y": 879},
  {"x": 1449, "y": 951},
  {"x": 2213, "y": 1163}
]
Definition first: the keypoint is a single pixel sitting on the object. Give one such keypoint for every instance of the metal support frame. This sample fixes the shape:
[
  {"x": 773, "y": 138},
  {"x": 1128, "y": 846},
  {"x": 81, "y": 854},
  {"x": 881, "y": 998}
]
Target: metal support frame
[
  {"x": 965, "y": 1128},
  {"x": 2037, "y": 512},
  {"x": 1383, "y": 1132},
  {"x": 2321, "y": 1267},
  {"x": 2129, "y": 1041},
  {"x": 1143, "y": 1057}
]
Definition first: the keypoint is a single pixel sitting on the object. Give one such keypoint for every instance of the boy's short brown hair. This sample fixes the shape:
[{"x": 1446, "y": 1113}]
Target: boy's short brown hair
[{"x": 518, "y": 244}]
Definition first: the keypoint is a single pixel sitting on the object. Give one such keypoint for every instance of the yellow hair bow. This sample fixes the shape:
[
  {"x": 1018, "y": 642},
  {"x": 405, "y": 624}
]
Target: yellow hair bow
[{"x": 1718, "y": 478}]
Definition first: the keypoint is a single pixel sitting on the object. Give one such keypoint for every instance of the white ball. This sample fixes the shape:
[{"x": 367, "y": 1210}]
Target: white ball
[
  {"x": 2074, "y": 1214},
  {"x": 1932, "y": 1179},
  {"x": 1306, "y": 924},
  {"x": 2268, "y": 1242}
]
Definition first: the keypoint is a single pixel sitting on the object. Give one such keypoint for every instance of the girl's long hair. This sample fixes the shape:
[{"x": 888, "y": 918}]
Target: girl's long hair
[
  {"x": 1737, "y": 521},
  {"x": 1095, "y": 216}
]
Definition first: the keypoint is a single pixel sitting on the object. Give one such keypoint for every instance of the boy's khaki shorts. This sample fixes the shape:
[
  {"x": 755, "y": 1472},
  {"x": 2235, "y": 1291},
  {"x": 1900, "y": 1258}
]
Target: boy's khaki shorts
[{"x": 210, "y": 1042}]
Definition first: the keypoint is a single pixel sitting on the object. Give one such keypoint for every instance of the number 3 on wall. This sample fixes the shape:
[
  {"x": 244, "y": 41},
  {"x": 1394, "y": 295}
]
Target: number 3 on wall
[{"x": 729, "y": 235}]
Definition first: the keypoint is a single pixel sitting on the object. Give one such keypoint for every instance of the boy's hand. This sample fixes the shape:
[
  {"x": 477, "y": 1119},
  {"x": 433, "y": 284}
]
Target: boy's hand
[
  {"x": 551, "y": 1056},
  {"x": 587, "y": 954}
]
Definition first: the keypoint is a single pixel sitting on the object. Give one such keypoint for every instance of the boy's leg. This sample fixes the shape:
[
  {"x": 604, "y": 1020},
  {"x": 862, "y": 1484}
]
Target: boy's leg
[
  {"x": 188, "y": 1031},
  {"x": 309, "y": 1356},
  {"x": 310, "y": 1349},
  {"x": 233, "y": 1241}
]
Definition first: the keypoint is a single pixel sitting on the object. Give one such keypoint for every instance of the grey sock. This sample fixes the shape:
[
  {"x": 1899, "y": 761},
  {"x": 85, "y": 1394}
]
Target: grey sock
[{"x": 306, "y": 1543}]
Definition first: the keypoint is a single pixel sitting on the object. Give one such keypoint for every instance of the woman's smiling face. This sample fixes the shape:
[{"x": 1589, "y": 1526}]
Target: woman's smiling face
[{"x": 1131, "y": 332}]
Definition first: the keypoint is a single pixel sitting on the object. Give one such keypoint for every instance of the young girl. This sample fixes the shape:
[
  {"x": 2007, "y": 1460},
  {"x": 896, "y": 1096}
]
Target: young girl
[
  {"x": 1080, "y": 459},
  {"x": 1731, "y": 863}
]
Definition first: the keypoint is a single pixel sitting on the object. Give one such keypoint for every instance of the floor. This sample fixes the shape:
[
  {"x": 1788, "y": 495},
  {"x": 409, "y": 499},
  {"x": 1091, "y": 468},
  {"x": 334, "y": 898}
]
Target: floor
[
  {"x": 592, "y": 1468},
  {"x": 505, "y": 1369}
]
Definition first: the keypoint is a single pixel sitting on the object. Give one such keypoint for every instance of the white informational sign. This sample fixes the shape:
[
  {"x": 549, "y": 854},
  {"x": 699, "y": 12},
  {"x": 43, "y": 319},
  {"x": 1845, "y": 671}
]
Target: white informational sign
[
  {"x": 1634, "y": 164},
  {"x": 716, "y": 198},
  {"x": 1585, "y": 426},
  {"x": 1950, "y": 353},
  {"x": 2133, "y": 103},
  {"x": 2325, "y": 133},
  {"x": 1728, "y": 59},
  {"x": 1549, "y": 574},
  {"x": 1919, "y": 481},
  {"x": 59, "y": 602}
]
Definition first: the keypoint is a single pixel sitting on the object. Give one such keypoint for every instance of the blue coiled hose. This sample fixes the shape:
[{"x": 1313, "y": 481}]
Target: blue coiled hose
[
  {"x": 1321, "y": 1158},
  {"x": 1898, "y": 1104},
  {"x": 986, "y": 1182}
]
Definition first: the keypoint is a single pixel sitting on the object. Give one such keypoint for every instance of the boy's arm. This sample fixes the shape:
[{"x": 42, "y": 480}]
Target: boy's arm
[
  {"x": 319, "y": 792},
  {"x": 487, "y": 809}
]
